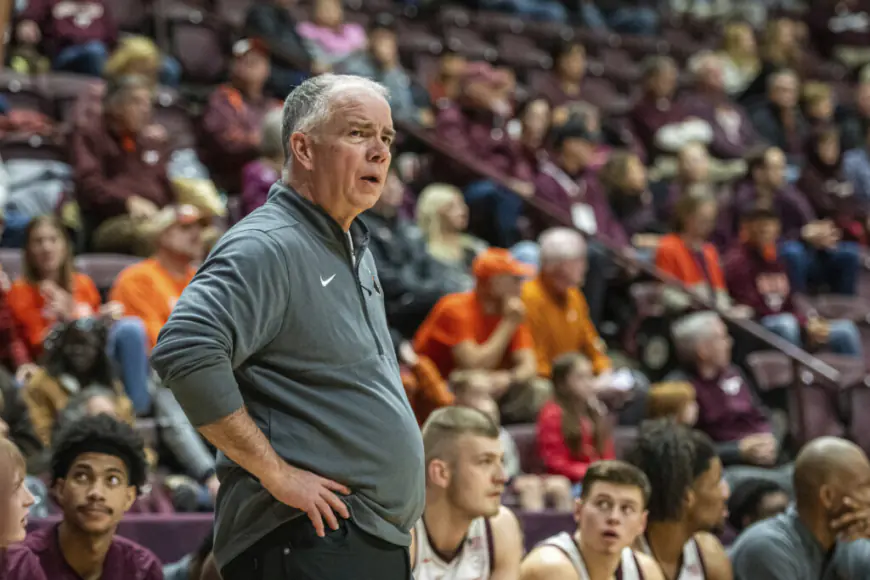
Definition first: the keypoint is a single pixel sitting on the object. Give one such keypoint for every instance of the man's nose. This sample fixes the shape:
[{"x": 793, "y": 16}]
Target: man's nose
[{"x": 379, "y": 152}]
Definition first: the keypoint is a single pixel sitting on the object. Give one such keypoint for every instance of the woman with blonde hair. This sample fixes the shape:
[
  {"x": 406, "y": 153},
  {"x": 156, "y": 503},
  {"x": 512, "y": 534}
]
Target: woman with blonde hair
[
  {"x": 442, "y": 217},
  {"x": 15, "y": 501},
  {"x": 739, "y": 57}
]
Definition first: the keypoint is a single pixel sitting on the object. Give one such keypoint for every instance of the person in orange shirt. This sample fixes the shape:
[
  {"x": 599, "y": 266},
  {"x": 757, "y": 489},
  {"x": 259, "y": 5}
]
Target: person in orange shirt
[
  {"x": 150, "y": 289},
  {"x": 484, "y": 330},
  {"x": 50, "y": 291},
  {"x": 558, "y": 317}
]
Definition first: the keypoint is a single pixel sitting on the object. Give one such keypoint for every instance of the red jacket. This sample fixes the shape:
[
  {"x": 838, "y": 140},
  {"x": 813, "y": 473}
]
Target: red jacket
[{"x": 560, "y": 460}]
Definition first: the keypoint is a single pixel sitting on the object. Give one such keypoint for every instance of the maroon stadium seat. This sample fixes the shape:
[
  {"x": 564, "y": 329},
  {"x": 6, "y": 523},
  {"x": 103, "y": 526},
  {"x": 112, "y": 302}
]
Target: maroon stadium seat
[
  {"x": 770, "y": 370},
  {"x": 24, "y": 92},
  {"x": 526, "y": 438},
  {"x": 200, "y": 44},
  {"x": 520, "y": 52},
  {"x": 469, "y": 43},
  {"x": 10, "y": 262}
]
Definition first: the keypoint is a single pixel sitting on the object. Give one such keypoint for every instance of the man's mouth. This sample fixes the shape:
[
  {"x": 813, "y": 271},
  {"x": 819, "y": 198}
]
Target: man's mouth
[
  {"x": 95, "y": 509},
  {"x": 371, "y": 178},
  {"x": 610, "y": 534}
]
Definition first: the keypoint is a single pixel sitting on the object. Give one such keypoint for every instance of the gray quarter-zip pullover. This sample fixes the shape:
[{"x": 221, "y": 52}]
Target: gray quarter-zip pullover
[{"x": 286, "y": 317}]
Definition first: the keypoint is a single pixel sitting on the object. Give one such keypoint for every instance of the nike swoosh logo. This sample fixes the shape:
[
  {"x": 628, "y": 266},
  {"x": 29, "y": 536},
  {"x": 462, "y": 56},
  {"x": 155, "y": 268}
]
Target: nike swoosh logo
[{"x": 326, "y": 282}]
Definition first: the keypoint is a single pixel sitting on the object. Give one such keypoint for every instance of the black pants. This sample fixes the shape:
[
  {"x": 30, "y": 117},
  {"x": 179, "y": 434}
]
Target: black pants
[{"x": 295, "y": 552}]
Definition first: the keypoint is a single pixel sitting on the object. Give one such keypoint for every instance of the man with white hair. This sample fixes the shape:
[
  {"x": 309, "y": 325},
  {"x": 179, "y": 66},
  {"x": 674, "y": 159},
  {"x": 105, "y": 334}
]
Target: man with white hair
[
  {"x": 728, "y": 411},
  {"x": 279, "y": 353},
  {"x": 733, "y": 134},
  {"x": 558, "y": 317}
]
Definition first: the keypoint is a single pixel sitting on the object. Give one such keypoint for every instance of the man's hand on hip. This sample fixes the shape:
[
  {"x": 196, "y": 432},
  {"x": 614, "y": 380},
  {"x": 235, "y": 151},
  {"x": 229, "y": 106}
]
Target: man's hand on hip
[{"x": 310, "y": 493}]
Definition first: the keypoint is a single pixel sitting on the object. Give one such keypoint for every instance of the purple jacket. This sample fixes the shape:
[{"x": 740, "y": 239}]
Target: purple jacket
[
  {"x": 733, "y": 133},
  {"x": 649, "y": 115},
  {"x": 19, "y": 563},
  {"x": 759, "y": 283},
  {"x": 257, "y": 179},
  {"x": 790, "y": 204},
  {"x": 562, "y": 192}
]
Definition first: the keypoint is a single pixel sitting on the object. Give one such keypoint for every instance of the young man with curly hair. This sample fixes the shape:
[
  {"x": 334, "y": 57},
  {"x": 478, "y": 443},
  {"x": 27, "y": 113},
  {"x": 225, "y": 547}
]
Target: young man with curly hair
[{"x": 97, "y": 469}]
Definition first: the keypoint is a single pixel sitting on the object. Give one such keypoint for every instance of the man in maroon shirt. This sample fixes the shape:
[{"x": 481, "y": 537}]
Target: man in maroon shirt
[
  {"x": 728, "y": 411},
  {"x": 120, "y": 170},
  {"x": 758, "y": 278},
  {"x": 98, "y": 466}
]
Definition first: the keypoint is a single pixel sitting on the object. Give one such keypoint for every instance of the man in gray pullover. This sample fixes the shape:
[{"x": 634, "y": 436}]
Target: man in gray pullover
[{"x": 279, "y": 353}]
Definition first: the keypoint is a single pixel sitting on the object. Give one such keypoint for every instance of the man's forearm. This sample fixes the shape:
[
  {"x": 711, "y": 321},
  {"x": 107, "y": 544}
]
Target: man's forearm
[{"x": 239, "y": 438}]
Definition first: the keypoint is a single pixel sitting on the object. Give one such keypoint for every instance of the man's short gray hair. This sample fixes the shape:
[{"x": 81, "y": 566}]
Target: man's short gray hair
[
  {"x": 690, "y": 330},
  {"x": 701, "y": 62},
  {"x": 310, "y": 104},
  {"x": 560, "y": 244}
]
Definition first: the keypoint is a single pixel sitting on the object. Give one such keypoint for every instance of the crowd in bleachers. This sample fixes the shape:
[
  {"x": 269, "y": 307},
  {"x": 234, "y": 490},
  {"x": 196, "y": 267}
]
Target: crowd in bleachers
[{"x": 598, "y": 212}]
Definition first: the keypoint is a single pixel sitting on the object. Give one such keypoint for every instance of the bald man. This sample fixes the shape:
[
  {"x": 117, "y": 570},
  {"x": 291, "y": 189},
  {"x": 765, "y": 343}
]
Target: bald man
[{"x": 831, "y": 514}]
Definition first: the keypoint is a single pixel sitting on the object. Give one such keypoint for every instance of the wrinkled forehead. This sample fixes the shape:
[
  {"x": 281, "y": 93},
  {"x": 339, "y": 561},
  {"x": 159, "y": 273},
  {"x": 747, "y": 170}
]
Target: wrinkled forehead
[
  {"x": 615, "y": 492},
  {"x": 358, "y": 105}
]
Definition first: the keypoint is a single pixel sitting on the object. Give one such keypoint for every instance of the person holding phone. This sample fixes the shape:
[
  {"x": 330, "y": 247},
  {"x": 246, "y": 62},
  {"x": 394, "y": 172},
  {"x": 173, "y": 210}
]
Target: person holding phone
[{"x": 815, "y": 538}]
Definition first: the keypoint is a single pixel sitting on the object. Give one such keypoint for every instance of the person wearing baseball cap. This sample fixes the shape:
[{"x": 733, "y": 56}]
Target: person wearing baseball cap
[
  {"x": 484, "y": 330},
  {"x": 150, "y": 288},
  {"x": 234, "y": 114}
]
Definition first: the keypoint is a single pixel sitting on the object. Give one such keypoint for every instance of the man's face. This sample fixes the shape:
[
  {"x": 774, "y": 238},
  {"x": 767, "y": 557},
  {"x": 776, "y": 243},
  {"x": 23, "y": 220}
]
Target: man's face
[
  {"x": 712, "y": 74},
  {"x": 610, "y": 517},
  {"x": 252, "y": 69},
  {"x": 578, "y": 151},
  {"x": 710, "y": 495},
  {"x": 504, "y": 286},
  {"x": 133, "y": 110},
  {"x": 784, "y": 91},
  {"x": 563, "y": 275},
  {"x": 573, "y": 64},
  {"x": 349, "y": 155},
  {"x": 850, "y": 480},
  {"x": 774, "y": 165},
  {"x": 183, "y": 240},
  {"x": 715, "y": 350},
  {"x": 763, "y": 232},
  {"x": 477, "y": 477},
  {"x": 383, "y": 47},
  {"x": 664, "y": 83},
  {"x": 95, "y": 493}
]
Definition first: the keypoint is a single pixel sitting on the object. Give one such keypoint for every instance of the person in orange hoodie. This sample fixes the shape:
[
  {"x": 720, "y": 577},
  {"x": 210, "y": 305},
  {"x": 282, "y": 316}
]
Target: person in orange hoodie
[
  {"x": 50, "y": 291},
  {"x": 150, "y": 288}
]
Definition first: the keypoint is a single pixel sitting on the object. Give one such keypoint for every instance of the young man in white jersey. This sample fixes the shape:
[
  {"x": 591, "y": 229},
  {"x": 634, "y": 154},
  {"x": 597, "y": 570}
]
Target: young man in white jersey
[
  {"x": 687, "y": 502},
  {"x": 610, "y": 514},
  {"x": 465, "y": 533}
]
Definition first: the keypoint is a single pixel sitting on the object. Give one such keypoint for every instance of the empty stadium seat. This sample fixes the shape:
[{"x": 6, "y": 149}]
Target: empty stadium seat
[
  {"x": 526, "y": 438},
  {"x": 200, "y": 44},
  {"x": 10, "y": 262},
  {"x": 770, "y": 370}
]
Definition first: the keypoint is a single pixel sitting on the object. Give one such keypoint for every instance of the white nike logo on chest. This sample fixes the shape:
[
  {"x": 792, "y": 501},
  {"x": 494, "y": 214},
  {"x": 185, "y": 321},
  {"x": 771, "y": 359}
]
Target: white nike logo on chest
[{"x": 326, "y": 282}]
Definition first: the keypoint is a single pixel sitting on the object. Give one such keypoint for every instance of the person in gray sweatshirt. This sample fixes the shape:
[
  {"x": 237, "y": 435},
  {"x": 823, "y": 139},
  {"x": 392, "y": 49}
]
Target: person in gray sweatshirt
[{"x": 279, "y": 352}]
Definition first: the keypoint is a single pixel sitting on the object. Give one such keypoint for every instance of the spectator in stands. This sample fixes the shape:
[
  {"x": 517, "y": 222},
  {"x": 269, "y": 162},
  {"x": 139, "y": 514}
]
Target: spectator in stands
[
  {"x": 757, "y": 277},
  {"x": 817, "y": 105},
  {"x": 15, "y": 423},
  {"x": 233, "y": 118},
  {"x": 658, "y": 121},
  {"x": 566, "y": 84},
  {"x": 839, "y": 30},
  {"x": 728, "y": 411},
  {"x": 689, "y": 257},
  {"x": 16, "y": 501},
  {"x": 814, "y": 538},
  {"x": 273, "y": 24},
  {"x": 411, "y": 279},
  {"x": 150, "y": 288},
  {"x": 674, "y": 400},
  {"x": 98, "y": 467},
  {"x": 475, "y": 126},
  {"x": 546, "y": 10},
  {"x": 442, "y": 218},
  {"x": 856, "y": 166},
  {"x": 573, "y": 429},
  {"x": 811, "y": 248},
  {"x": 740, "y": 61},
  {"x": 465, "y": 478},
  {"x": 484, "y": 330},
  {"x": 14, "y": 355},
  {"x": 687, "y": 502},
  {"x": 778, "y": 119},
  {"x": 446, "y": 86},
  {"x": 259, "y": 175},
  {"x": 381, "y": 63},
  {"x": 327, "y": 37},
  {"x": 535, "y": 120},
  {"x": 76, "y": 37},
  {"x": 855, "y": 121},
  {"x": 534, "y": 492},
  {"x": 51, "y": 291},
  {"x": 781, "y": 50},
  {"x": 828, "y": 189},
  {"x": 120, "y": 172},
  {"x": 567, "y": 187},
  {"x": 75, "y": 361},
  {"x": 733, "y": 134},
  {"x": 755, "y": 500},
  {"x": 625, "y": 183}
]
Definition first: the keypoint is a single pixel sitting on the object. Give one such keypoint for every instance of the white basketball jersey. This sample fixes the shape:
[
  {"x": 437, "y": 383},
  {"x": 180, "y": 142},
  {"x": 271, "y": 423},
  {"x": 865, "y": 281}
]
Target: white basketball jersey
[
  {"x": 693, "y": 564},
  {"x": 473, "y": 562},
  {"x": 628, "y": 568}
]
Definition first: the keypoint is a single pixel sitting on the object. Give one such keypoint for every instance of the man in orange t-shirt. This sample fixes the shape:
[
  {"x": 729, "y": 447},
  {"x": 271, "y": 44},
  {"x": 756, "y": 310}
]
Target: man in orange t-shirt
[
  {"x": 484, "y": 330},
  {"x": 149, "y": 289}
]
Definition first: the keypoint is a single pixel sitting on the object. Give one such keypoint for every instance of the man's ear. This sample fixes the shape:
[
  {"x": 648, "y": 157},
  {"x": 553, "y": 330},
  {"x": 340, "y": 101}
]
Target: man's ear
[
  {"x": 301, "y": 150},
  {"x": 438, "y": 473},
  {"x": 578, "y": 509}
]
